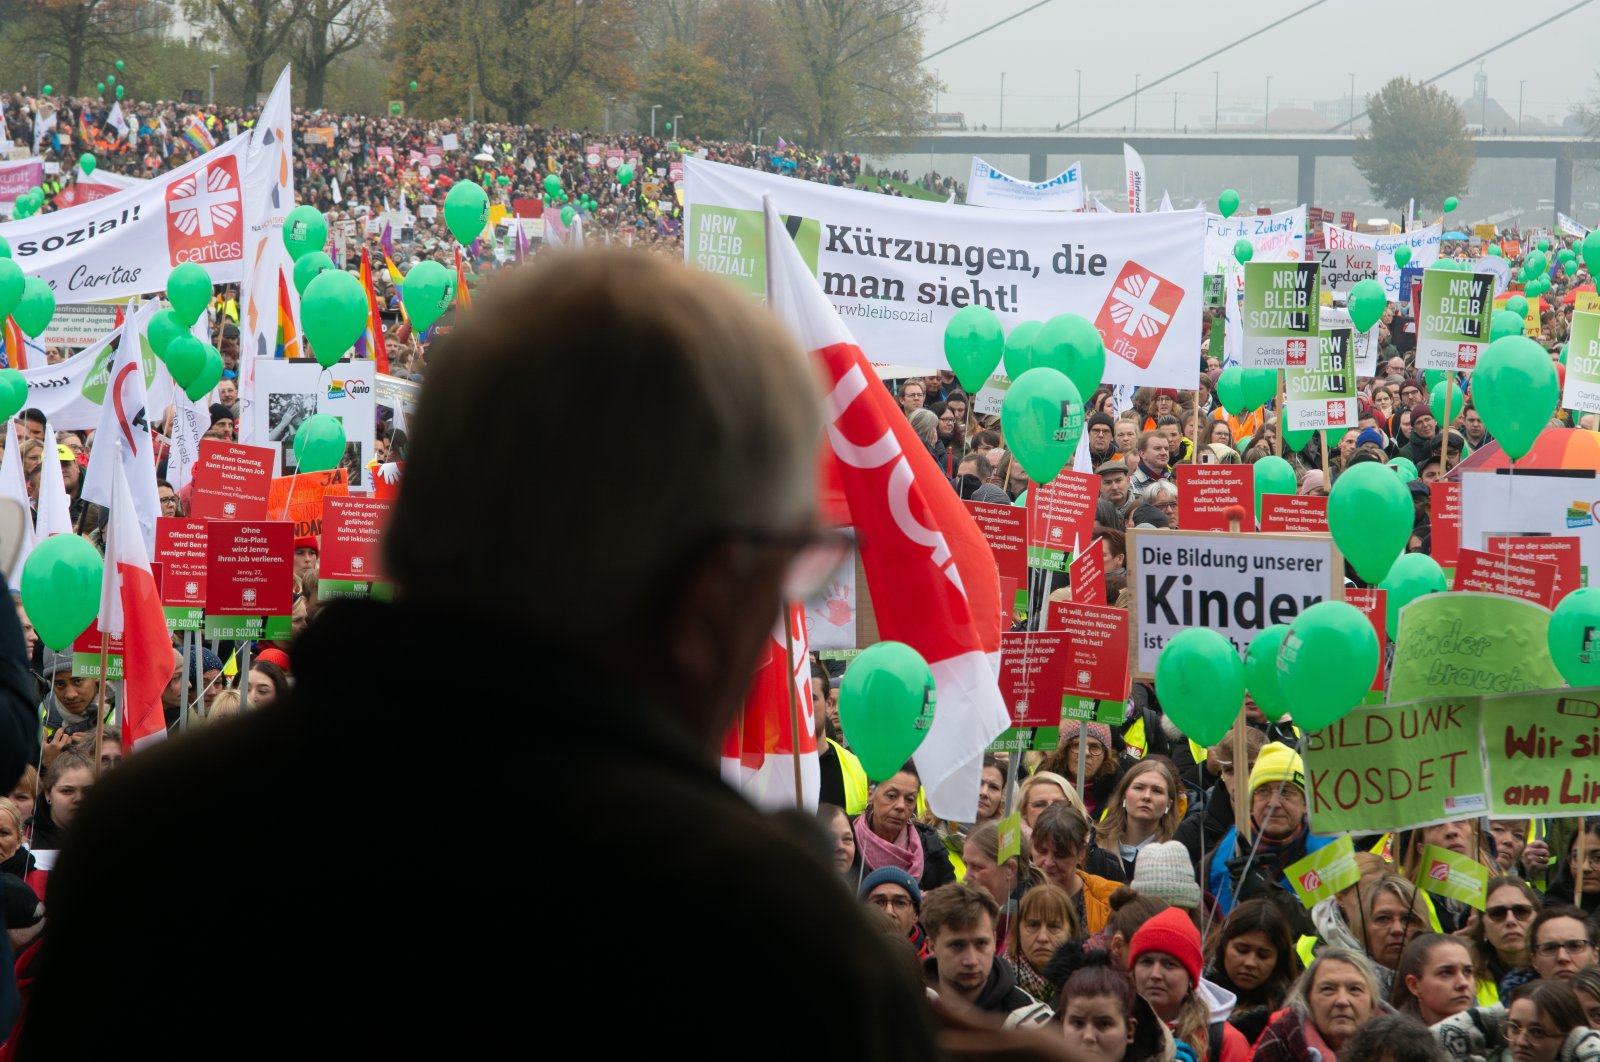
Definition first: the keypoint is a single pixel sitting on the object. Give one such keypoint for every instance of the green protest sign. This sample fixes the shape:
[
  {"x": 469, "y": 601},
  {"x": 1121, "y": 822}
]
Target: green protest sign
[
  {"x": 1453, "y": 328},
  {"x": 1010, "y": 836},
  {"x": 1026, "y": 739},
  {"x": 1329, "y": 870},
  {"x": 1543, "y": 753},
  {"x": 1467, "y": 643},
  {"x": 1281, "y": 304},
  {"x": 1396, "y": 767},
  {"x": 1583, "y": 364},
  {"x": 1323, "y": 394},
  {"x": 1457, "y": 876}
]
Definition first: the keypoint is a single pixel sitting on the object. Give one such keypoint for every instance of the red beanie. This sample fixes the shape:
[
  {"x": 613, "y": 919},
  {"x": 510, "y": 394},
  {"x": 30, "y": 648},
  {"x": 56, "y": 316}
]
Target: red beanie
[{"x": 1171, "y": 933}]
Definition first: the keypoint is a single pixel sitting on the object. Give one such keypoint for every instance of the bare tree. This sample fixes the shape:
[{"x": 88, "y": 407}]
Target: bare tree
[
  {"x": 529, "y": 52},
  {"x": 78, "y": 33},
  {"x": 255, "y": 29},
  {"x": 327, "y": 30}
]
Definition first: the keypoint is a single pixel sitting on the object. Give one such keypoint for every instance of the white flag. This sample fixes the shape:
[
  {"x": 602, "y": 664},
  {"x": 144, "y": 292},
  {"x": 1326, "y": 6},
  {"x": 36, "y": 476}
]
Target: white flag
[
  {"x": 334, "y": 191},
  {"x": 577, "y": 231},
  {"x": 14, "y": 485},
  {"x": 55, "y": 507},
  {"x": 1135, "y": 167},
  {"x": 42, "y": 125},
  {"x": 116, "y": 121},
  {"x": 1166, "y": 203},
  {"x": 1101, "y": 208},
  {"x": 125, "y": 416}
]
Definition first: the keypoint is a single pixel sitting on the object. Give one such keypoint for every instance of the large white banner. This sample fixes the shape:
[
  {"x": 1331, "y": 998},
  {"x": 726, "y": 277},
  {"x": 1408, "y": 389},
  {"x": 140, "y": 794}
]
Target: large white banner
[
  {"x": 898, "y": 269},
  {"x": 1424, "y": 244},
  {"x": 1277, "y": 237},
  {"x": 71, "y": 392},
  {"x": 1571, "y": 227},
  {"x": 1133, "y": 162},
  {"x": 97, "y": 186},
  {"x": 269, "y": 196},
  {"x": 16, "y": 177},
  {"x": 989, "y": 187}
]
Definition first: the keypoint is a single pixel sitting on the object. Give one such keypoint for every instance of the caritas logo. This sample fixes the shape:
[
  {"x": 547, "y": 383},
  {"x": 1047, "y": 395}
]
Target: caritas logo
[
  {"x": 1336, "y": 412},
  {"x": 205, "y": 219},
  {"x": 1295, "y": 353},
  {"x": 1310, "y": 880},
  {"x": 1136, "y": 314}
]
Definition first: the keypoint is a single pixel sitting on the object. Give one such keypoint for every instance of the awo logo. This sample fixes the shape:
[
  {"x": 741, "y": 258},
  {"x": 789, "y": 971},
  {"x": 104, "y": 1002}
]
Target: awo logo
[
  {"x": 348, "y": 388},
  {"x": 205, "y": 220},
  {"x": 1580, "y": 514},
  {"x": 1137, "y": 312},
  {"x": 1295, "y": 353}
]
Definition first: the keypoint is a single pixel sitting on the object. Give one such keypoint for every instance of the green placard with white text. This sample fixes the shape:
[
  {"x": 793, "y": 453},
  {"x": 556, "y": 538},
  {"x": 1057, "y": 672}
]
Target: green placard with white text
[
  {"x": 1453, "y": 321},
  {"x": 1582, "y": 391},
  {"x": 1327, "y": 871},
  {"x": 1444, "y": 873},
  {"x": 1282, "y": 301}
]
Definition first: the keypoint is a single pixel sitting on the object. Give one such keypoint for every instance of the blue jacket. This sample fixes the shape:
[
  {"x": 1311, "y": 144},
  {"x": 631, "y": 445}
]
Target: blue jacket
[{"x": 1220, "y": 882}]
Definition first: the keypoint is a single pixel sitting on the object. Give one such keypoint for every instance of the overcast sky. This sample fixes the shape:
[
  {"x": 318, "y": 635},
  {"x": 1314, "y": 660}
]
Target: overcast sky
[{"x": 1308, "y": 58}]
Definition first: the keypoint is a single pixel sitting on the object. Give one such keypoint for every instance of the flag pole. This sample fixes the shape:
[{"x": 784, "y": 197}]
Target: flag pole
[
  {"x": 100, "y": 702},
  {"x": 183, "y": 701},
  {"x": 1444, "y": 429},
  {"x": 244, "y": 674},
  {"x": 1241, "y": 755},
  {"x": 794, "y": 704}
]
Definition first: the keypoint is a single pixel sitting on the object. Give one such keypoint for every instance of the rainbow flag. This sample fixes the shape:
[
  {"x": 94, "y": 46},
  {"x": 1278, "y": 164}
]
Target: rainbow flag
[
  {"x": 85, "y": 130},
  {"x": 288, "y": 345},
  {"x": 372, "y": 343},
  {"x": 196, "y": 135},
  {"x": 16, "y": 345},
  {"x": 463, "y": 293}
]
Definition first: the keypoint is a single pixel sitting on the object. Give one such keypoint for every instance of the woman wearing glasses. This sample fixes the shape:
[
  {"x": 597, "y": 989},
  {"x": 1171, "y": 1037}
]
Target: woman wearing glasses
[
  {"x": 1500, "y": 936},
  {"x": 1584, "y": 846},
  {"x": 1544, "y": 1022}
]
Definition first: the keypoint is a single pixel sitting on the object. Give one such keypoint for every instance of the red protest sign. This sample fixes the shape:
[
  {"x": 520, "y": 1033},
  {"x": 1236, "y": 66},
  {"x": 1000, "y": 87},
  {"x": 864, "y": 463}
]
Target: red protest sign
[
  {"x": 351, "y": 562},
  {"x": 1086, "y": 575},
  {"x": 231, "y": 481},
  {"x": 1444, "y": 516},
  {"x": 1294, "y": 513},
  {"x": 1097, "y": 655},
  {"x": 249, "y": 568},
  {"x": 1060, "y": 518},
  {"x": 1493, "y": 573},
  {"x": 181, "y": 546},
  {"x": 1373, "y": 604},
  {"x": 86, "y": 654},
  {"x": 298, "y": 499},
  {"x": 1559, "y": 550},
  {"x": 1033, "y": 677},
  {"x": 1004, "y": 527},
  {"x": 1207, "y": 492}
]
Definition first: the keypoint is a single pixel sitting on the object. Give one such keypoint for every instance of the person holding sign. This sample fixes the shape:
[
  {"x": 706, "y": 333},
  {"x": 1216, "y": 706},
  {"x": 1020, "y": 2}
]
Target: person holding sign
[
  {"x": 1239, "y": 869},
  {"x": 1006, "y": 880},
  {"x": 1454, "y": 837},
  {"x": 1585, "y": 848}
]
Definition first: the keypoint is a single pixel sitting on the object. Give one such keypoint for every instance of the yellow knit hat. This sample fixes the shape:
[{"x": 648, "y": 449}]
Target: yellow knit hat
[{"x": 1278, "y": 763}]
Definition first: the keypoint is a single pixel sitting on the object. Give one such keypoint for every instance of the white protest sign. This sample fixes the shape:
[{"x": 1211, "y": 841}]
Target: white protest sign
[
  {"x": 450, "y": 142},
  {"x": 1363, "y": 345},
  {"x": 989, "y": 187},
  {"x": 897, "y": 270},
  {"x": 287, "y": 392},
  {"x": 1571, "y": 227},
  {"x": 1424, "y": 244},
  {"x": 79, "y": 325},
  {"x": 1235, "y": 584},
  {"x": 1533, "y": 502},
  {"x": 71, "y": 392},
  {"x": 1345, "y": 267},
  {"x": 1277, "y": 237}
]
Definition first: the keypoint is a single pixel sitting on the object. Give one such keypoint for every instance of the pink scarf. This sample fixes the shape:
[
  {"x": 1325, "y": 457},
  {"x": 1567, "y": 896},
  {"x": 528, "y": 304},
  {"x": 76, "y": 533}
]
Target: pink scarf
[{"x": 904, "y": 852}]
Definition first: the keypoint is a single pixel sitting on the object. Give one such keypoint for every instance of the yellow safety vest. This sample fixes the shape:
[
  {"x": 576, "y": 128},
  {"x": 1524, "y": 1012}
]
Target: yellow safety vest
[
  {"x": 1138, "y": 744},
  {"x": 855, "y": 779}
]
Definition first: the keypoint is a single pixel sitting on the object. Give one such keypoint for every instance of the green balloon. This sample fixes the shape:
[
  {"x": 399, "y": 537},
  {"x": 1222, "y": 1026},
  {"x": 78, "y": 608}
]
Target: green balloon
[
  {"x": 1327, "y": 662},
  {"x": 1368, "y": 300},
  {"x": 111, "y": 79},
  {"x": 119, "y": 65},
  {"x": 1450, "y": 204},
  {"x": 1494, "y": 249},
  {"x": 319, "y": 443},
  {"x": 1370, "y": 517},
  {"x": 49, "y": 89},
  {"x": 1243, "y": 250},
  {"x": 427, "y": 293},
  {"x": 304, "y": 230},
  {"x": 1537, "y": 263},
  {"x": 1072, "y": 345},
  {"x": 413, "y": 86},
  {"x": 1412, "y": 576},
  {"x": 87, "y": 162},
  {"x": 1436, "y": 400},
  {"x": 887, "y": 703},
  {"x": 1404, "y": 467},
  {"x": 100, "y": 86},
  {"x": 1042, "y": 417},
  {"x": 1230, "y": 391},
  {"x": 333, "y": 314},
  {"x": 1273, "y": 475},
  {"x": 35, "y": 309},
  {"x": 567, "y": 214},
  {"x": 974, "y": 343},
  {"x": 1543, "y": 245},
  {"x": 186, "y": 359},
  {"x": 1570, "y": 637},
  {"x": 1260, "y": 387},
  {"x": 1261, "y": 671},
  {"x": 61, "y": 588},
  {"x": 624, "y": 174},
  {"x": 552, "y": 184},
  {"x": 12, "y": 282},
  {"x": 466, "y": 211},
  {"x": 1515, "y": 390},
  {"x": 308, "y": 267},
  {"x": 5, "y": 248},
  {"x": 1590, "y": 249},
  {"x": 207, "y": 378},
  {"x": 13, "y": 393},
  {"x": 1227, "y": 202},
  {"x": 1200, "y": 681},
  {"x": 1505, "y": 322},
  {"x": 164, "y": 328},
  {"x": 1298, "y": 440},
  {"x": 1019, "y": 348},
  {"x": 189, "y": 292},
  {"x": 1402, "y": 255},
  {"x": 121, "y": 92},
  {"x": 1519, "y": 306}
]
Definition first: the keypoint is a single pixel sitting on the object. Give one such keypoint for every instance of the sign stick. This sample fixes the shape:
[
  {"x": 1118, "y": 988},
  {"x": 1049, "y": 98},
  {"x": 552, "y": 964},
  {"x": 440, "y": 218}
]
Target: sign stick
[
  {"x": 1083, "y": 759},
  {"x": 1012, "y": 759},
  {"x": 244, "y": 675},
  {"x": 794, "y": 705},
  {"x": 1194, "y": 458},
  {"x": 1577, "y": 868},
  {"x": 1327, "y": 477},
  {"x": 100, "y": 701},
  {"x": 1280, "y": 412},
  {"x": 1444, "y": 429},
  {"x": 183, "y": 700},
  {"x": 1241, "y": 776}
]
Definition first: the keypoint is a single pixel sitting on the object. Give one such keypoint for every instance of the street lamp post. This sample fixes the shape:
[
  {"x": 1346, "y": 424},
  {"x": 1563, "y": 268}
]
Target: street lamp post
[
  {"x": 1216, "y": 101},
  {"x": 1266, "y": 115},
  {"x": 211, "y": 85},
  {"x": 1136, "y": 103},
  {"x": 1520, "y": 86},
  {"x": 677, "y": 127},
  {"x": 38, "y": 72},
  {"x": 1002, "y": 101},
  {"x": 1078, "y": 125},
  {"x": 653, "y": 111},
  {"x": 609, "y": 101},
  {"x": 1352, "y": 103}
]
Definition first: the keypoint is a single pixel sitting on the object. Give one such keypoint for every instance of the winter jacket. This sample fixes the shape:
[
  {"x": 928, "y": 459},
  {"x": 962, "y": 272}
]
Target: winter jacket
[
  {"x": 1220, "y": 1001},
  {"x": 1265, "y": 868},
  {"x": 1097, "y": 900},
  {"x": 1284, "y": 1040},
  {"x": 1478, "y": 1035},
  {"x": 936, "y": 866},
  {"x": 1000, "y": 995}
]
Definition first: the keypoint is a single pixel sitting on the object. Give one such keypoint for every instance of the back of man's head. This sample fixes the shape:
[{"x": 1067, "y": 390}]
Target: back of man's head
[{"x": 592, "y": 340}]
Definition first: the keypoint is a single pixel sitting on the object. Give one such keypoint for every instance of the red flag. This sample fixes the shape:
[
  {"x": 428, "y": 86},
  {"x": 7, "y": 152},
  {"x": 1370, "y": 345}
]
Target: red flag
[
  {"x": 377, "y": 347},
  {"x": 931, "y": 574},
  {"x": 758, "y": 752},
  {"x": 130, "y": 605},
  {"x": 16, "y": 345}
]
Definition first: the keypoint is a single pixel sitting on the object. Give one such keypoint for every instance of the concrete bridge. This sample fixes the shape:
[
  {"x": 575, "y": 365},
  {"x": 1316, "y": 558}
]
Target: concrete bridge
[{"x": 1306, "y": 147}]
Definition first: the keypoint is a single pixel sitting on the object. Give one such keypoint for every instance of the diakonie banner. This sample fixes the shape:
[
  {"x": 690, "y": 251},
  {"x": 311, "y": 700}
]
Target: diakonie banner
[
  {"x": 989, "y": 187},
  {"x": 897, "y": 270},
  {"x": 127, "y": 243}
]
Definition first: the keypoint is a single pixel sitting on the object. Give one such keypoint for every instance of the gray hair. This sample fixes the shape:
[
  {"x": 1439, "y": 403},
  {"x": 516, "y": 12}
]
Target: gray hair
[
  {"x": 925, "y": 422},
  {"x": 1160, "y": 489},
  {"x": 1299, "y": 995}
]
